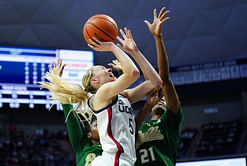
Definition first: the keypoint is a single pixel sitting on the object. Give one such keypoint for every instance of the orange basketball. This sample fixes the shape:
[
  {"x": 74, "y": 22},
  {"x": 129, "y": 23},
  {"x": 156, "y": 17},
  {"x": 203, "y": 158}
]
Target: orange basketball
[{"x": 101, "y": 26}]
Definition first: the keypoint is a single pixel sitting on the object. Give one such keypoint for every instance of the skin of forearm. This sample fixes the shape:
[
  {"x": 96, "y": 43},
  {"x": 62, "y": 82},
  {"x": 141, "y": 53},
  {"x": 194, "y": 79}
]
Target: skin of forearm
[
  {"x": 167, "y": 87},
  {"x": 147, "y": 69},
  {"x": 163, "y": 64},
  {"x": 142, "y": 114},
  {"x": 127, "y": 65}
]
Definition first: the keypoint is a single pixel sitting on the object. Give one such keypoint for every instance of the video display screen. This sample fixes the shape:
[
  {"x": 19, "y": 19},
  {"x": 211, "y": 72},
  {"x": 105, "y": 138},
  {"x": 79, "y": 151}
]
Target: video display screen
[{"x": 22, "y": 68}]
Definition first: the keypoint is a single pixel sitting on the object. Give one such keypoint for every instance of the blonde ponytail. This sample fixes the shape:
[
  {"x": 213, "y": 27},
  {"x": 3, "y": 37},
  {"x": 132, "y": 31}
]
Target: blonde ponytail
[
  {"x": 63, "y": 91},
  {"x": 70, "y": 93}
]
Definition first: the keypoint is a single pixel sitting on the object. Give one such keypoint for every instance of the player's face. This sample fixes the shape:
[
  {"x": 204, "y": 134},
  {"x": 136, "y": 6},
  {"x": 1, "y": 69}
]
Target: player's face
[
  {"x": 94, "y": 131},
  {"x": 103, "y": 75}
]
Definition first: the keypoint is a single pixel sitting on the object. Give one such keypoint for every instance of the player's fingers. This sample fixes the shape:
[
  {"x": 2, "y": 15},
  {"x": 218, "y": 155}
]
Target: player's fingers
[
  {"x": 123, "y": 34},
  {"x": 110, "y": 64},
  {"x": 161, "y": 11},
  {"x": 114, "y": 62},
  {"x": 127, "y": 32},
  {"x": 117, "y": 62},
  {"x": 54, "y": 64},
  {"x": 93, "y": 43},
  {"x": 97, "y": 41},
  {"x": 147, "y": 23},
  {"x": 49, "y": 66},
  {"x": 164, "y": 14},
  {"x": 63, "y": 68},
  {"x": 59, "y": 63},
  {"x": 155, "y": 13},
  {"x": 120, "y": 39},
  {"x": 130, "y": 35},
  {"x": 91, "y": 46},
  {"x": 167, "y": 18}
]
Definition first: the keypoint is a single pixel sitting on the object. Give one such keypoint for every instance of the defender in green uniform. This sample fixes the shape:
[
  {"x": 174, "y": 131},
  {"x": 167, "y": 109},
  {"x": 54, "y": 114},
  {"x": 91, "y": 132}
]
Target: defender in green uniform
[
  {"x": 158, "y": 139},
  {"x": 85, "y": 144},
  {"x": 83, "y": 132}
]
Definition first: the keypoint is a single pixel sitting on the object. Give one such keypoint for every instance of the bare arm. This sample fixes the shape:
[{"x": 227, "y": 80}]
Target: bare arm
[
  {"x": 130, "y": 74},
  {"x": 168, "y": 89},
  {"x": 152, "y": 78},
  {"x": 142, "y": 114},
  {"x": 75, "y": 133},
  {"x": 152, "y": 99}
]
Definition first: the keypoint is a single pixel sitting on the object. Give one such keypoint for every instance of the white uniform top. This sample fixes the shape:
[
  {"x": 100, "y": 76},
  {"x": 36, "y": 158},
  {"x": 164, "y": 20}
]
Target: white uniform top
[{"x": 116, "y": 127}]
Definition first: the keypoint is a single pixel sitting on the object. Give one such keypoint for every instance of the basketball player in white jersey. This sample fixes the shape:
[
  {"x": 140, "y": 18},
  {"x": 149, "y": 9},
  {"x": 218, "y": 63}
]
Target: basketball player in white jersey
[{"x": 111, "y": 102}]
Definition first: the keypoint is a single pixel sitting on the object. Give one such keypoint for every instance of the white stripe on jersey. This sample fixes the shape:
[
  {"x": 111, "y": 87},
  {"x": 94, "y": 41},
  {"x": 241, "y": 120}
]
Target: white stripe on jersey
[{"x": 116, "y": 127}]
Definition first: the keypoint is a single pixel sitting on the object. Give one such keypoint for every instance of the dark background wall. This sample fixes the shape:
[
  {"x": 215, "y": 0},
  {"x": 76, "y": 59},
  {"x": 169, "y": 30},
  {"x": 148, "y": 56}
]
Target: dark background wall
[{"x": 198, "y": 31}]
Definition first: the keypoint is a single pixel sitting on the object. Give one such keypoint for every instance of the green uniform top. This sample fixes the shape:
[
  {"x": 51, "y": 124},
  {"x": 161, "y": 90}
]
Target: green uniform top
[
  {"x": 158, "y": 140},
  {"x": 85, "y": 151}
]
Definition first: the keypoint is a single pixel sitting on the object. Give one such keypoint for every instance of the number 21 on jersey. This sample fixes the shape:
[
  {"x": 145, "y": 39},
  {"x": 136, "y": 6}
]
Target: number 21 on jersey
[{"x": 147, "y": 155}]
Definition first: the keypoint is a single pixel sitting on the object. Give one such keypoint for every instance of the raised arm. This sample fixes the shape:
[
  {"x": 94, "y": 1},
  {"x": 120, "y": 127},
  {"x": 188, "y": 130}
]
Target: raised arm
[
  {"x": 152, "y": 78},
  {"x": 130, "y": 74},
  {"x": 168, "y": 89},
  {"x": 76, "y": 136},
  {"x": 152, "y": 99}
]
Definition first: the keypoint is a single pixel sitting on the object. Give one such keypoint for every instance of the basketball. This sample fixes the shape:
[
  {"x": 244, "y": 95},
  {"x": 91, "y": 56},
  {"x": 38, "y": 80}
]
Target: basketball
[{"x": 101, "y": 26}]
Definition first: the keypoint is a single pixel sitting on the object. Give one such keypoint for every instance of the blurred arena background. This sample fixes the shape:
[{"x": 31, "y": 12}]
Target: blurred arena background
[{"x": 206, "y": 41}]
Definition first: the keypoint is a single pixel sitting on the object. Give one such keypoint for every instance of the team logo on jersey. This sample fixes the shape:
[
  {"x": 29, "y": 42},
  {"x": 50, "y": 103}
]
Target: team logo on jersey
[
  {"x": 159, "y": 121},
  {"x": 151, "y": 135},
  {"x": 148, "y": 124},
  {"x": 125, "y": 108}
]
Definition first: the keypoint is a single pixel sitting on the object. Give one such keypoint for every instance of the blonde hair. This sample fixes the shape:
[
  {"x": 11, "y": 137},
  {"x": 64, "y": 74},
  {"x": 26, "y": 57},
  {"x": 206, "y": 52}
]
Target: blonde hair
[
  {"x": 86, "y": 81},
  {"x": 70, "y": 93}
]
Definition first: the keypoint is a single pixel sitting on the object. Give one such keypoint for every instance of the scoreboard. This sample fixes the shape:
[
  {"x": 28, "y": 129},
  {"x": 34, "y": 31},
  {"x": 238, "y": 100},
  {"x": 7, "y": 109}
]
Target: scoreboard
[{"x": 22, "y": 68}]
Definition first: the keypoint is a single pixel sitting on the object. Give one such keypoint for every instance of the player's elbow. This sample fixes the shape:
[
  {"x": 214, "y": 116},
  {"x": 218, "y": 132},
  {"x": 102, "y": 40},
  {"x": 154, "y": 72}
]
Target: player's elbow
[
  {"x": 135, "y": 74},
  {"x": 131, "y": 76},
  {"x": 159, "y": 82}
]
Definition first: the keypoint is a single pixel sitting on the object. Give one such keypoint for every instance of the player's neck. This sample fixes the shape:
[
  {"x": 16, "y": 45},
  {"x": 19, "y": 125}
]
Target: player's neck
[
  {"x": 155, "y": 117},
  {"x": 94, "y": 142}
]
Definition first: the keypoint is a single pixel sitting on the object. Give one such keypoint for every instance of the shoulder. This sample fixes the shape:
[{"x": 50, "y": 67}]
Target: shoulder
[
  {"x": 125, "y": 93},
  {"x": 91, "y": 104}
]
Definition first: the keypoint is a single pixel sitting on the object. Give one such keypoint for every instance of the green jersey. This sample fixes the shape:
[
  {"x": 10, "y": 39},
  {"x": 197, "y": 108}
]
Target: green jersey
[
  {"x": 85, "y": 151},
  {"x": 158, "y": 140}
]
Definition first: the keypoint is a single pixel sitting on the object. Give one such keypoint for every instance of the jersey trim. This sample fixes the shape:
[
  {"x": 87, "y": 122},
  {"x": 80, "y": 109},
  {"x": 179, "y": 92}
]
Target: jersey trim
[
  {"x": 109, "y": 132},
  {"x": 102, "y": 109}
]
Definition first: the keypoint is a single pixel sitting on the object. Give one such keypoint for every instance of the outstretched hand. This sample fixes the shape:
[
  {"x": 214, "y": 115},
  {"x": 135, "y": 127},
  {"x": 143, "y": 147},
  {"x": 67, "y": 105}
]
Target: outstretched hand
[
  {"x": 155, "y": 27},
  {"x": 116, "y": 65},
  {"x": 128, "y": 43},
  {"x": 57, "y": 67}
]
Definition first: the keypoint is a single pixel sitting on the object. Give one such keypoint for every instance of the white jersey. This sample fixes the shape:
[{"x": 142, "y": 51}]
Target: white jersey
[{"x": 116, "y": 127}]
